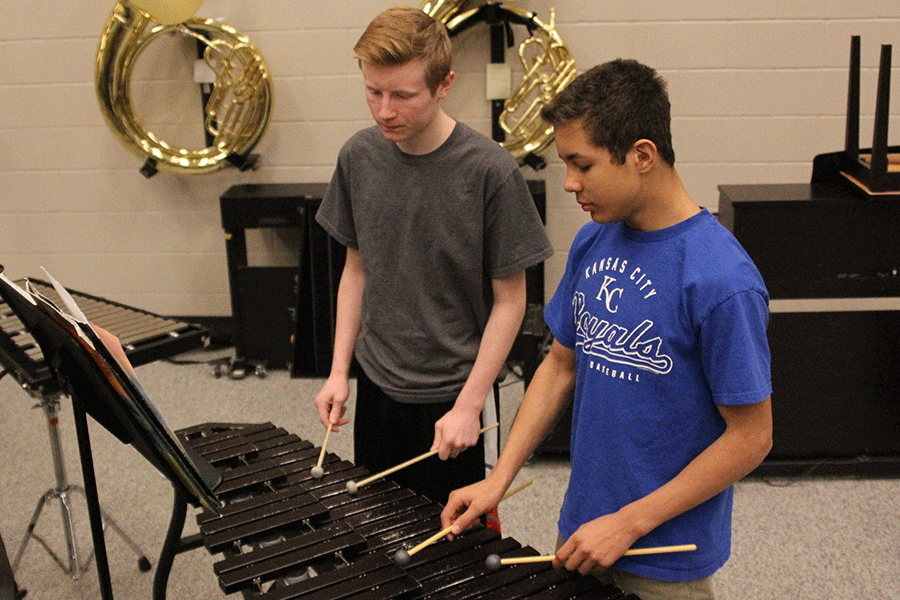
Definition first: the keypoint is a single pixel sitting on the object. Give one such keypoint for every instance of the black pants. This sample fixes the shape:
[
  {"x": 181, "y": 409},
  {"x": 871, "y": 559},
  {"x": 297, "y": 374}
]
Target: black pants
[{"x": 387, "y": 433}]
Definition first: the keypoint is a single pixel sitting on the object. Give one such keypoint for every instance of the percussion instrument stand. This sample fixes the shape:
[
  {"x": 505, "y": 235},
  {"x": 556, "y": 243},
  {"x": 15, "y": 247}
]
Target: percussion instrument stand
[{"x": 62, "y": 492}]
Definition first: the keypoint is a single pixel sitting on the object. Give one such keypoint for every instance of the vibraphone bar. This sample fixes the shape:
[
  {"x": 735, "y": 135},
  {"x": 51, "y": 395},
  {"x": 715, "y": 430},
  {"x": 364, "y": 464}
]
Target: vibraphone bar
[
  {"x": 145, "y": 336},
  {"x": 285, "y": 535}
]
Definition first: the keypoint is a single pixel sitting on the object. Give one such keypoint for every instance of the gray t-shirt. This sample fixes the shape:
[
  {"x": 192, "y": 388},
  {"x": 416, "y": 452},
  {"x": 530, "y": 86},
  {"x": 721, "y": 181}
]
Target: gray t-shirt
[{"x": 432, "y": 231}]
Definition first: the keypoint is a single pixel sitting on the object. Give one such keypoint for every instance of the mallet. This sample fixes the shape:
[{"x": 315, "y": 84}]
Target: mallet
[
  {"x": 494, "y": 562},
  {"x": 353, "y": 486},
  {"x": 317, "y": 471},
  {"x": 402, "y": 557}
]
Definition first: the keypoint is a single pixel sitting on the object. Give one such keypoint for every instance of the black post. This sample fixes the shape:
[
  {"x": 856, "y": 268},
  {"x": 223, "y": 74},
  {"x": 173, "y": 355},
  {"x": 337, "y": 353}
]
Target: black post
[
  {"x": 882, "y": 110},
  {"x": 851, "y": 140},
  {"x": 171, "y": 547},
  {"x": 498, "y": 29},
  {"x": 93, "y": 500}
]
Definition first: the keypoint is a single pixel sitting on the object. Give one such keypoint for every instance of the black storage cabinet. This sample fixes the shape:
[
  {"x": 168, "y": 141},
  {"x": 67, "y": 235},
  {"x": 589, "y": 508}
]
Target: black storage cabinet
[
  {"x": 830, "y": 260},
  {"x": 283, "y": 316}
]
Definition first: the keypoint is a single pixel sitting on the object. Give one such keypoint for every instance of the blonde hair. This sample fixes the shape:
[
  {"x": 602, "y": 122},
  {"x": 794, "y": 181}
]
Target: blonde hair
[{"x": 403, "y": 33}]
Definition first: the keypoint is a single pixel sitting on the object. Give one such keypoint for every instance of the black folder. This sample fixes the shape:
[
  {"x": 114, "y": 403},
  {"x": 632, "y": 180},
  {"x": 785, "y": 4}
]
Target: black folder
[{"x": 109, "y": 392}]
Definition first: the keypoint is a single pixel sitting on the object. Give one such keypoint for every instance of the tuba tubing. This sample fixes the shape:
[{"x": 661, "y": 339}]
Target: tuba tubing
[
  {"x": 237, "y": 111},
  {"x": 547, "y": 64}
]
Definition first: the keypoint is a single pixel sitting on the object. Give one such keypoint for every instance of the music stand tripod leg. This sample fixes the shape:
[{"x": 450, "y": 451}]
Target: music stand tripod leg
[
  {"x": 75, "y": 568},
  {"x": 50, "y": 406},
  {"x": 29, "y": 530},
  {"x": 143, "y": 563}
]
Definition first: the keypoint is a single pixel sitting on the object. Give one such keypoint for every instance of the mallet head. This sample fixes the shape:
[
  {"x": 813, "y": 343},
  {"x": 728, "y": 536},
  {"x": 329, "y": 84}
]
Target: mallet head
[
  {"x": 492, "y": 562},
  {"x": 402, "y": 558}
]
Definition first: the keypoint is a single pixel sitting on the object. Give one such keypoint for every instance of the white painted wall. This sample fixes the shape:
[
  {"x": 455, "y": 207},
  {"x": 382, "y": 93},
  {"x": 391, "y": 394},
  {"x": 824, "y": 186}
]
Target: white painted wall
[{"x": 758, "y": 89}]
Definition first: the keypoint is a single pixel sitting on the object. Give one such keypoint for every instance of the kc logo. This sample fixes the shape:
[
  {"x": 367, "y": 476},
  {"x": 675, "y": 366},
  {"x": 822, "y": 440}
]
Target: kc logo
[
  {"x": 606, "y": 294},
  {"x": 636, "y": 347}
]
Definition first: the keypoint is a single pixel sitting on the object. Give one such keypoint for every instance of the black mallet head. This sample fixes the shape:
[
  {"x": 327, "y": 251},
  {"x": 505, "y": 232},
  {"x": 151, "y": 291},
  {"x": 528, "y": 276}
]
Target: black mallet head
[
  {"x": 402, "y": 558},
  {"x": 492, "y": 562}
]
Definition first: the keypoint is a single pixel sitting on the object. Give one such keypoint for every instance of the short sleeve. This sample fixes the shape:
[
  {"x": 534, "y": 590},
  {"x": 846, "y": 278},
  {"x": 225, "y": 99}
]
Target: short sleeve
[{"x": 735, "y": 349}]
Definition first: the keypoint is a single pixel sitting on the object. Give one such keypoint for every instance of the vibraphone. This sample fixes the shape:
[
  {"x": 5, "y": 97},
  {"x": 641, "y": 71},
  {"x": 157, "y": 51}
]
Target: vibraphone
[
  {"x": 284, "y": 535},
  {"x": 145, "y": 336}
]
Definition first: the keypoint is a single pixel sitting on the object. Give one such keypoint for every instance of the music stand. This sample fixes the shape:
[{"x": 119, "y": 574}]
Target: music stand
[{"x": 100, "y": 386}]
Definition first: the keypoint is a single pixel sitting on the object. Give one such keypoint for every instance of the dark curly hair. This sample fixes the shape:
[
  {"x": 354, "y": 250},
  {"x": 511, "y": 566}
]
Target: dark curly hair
[{"x": 619, "y": 103}]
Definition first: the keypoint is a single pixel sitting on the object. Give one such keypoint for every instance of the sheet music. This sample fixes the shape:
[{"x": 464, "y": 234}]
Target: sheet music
[
  {"x": 67, "y": 299},
  {"x": 33, "y": 292},
  {"x": 30, "y": 293}
]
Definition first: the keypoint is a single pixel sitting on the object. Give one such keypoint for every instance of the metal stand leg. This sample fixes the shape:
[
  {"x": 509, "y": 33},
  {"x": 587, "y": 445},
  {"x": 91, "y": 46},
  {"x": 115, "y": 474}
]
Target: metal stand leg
[{"x": 63, "y": 492}]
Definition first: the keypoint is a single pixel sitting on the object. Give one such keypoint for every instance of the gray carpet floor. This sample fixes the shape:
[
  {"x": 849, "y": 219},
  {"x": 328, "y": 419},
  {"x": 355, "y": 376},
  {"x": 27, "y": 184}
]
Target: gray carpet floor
[{"x": 807, "y": 538}]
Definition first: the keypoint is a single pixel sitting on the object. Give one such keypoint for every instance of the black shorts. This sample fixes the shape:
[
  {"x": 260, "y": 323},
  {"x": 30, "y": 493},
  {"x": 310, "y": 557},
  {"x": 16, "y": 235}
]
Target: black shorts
[{"x": 387, "y": 433}]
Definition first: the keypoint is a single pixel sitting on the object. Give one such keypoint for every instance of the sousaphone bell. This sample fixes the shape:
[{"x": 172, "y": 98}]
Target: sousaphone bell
[{"x": 236, "y": 111}]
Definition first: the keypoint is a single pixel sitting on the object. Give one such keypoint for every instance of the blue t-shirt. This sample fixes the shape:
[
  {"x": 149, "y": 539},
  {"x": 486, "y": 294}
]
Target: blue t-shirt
[{"x": 665, "y": 325}]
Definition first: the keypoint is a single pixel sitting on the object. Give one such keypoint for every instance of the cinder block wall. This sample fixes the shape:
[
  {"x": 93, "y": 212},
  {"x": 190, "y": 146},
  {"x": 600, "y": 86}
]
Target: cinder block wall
[{"x": 758, "y": 89}]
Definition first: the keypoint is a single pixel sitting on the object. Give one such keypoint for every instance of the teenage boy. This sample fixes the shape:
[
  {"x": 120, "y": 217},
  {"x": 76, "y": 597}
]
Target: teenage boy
[
  {"x": 439, "y": 228},
  {"x": 659, "y": 327}
]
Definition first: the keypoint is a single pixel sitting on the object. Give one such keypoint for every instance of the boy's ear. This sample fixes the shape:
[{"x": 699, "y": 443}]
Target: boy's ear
[
  {"x": 646, "y": 154},
  {"x": 444, "y": 86}
]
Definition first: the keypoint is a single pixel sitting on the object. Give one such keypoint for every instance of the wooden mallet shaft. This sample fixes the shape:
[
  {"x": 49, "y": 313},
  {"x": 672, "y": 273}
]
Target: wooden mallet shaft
[
  {"x": 411, "y": 461},
  {"x": 325, "y": 443},
  {"x": 660, "y": 550},
  {"x": 317, "y": 471},
  {"x": 518, "y": 560},
  {"x": 516, "y": 490},
  {"x": 446, "y": 530},
  {"x": 429, "y": 541}
]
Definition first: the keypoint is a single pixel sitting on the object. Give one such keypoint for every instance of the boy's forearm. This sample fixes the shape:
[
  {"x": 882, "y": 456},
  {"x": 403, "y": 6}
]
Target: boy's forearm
[
  {"x": 500, "y": 333},
  {"x": 348, "y": 314}
]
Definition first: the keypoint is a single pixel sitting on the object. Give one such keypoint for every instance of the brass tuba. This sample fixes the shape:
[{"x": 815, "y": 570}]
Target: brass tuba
[
  {"x": 236, "y": 111},
  {"x": 548, "y": 69},
  {"x": 442, "y": 10}
]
